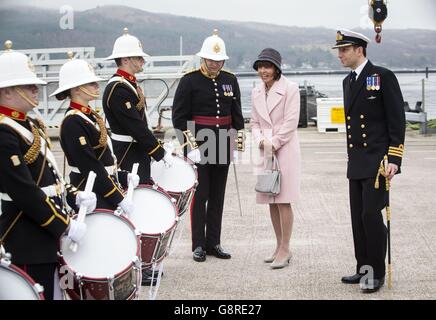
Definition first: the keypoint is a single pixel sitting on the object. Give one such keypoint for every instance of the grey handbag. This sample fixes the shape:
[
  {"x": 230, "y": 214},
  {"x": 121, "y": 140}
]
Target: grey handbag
[{"x": 268, "y": 182}]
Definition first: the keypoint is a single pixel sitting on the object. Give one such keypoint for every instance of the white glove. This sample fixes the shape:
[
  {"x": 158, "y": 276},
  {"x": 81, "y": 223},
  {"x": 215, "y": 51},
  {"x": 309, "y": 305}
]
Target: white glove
[
  {"x": 127, "y": 206},
  {"x": 194, "y": 155},
  {"x": 169, "y": 147},
  {"x": 134, "y": 179},
  {"x": 77, "y": 230},
  {"x": 87, "y": 199},
  {"x": 168, "y": 159}
]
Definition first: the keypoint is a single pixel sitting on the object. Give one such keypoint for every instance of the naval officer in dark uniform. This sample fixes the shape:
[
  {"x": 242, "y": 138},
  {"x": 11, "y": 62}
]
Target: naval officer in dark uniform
[
  {"x": 210, "y": 100},
  {"x": 375, "y": 124},
  {"x": 125, "y": 110},
  {"x": 33, "y": 195}
]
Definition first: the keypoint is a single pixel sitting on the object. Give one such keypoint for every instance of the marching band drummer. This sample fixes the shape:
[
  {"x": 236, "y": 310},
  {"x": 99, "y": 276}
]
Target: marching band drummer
[
  {"x": 84, "y": 138},
  {"x": 125, "y": 110},
  {"x": 32, "y": 191}
]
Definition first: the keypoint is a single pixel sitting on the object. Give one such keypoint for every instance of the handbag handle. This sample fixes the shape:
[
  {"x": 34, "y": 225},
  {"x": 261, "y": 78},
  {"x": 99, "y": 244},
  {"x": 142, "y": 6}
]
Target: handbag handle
[{"x": 273, "y": 163}]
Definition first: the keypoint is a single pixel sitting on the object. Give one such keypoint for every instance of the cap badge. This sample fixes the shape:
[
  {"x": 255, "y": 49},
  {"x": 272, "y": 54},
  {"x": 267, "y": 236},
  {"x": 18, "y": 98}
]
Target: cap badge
[
  {"x": 216, "y": 48},
  {"x": 339, "y": 36}
]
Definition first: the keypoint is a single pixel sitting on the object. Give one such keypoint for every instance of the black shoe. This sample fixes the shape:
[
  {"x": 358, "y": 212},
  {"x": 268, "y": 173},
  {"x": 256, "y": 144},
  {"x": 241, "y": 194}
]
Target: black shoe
[
  {"x": 149, "y": 272},
  {"x": 199, "y": 254},
  {"x": 372, "y": 285},
  {"x": 354, "y": 279},
  {"x": 219, "y": 252},
  {"x": 146, "y": 280}
]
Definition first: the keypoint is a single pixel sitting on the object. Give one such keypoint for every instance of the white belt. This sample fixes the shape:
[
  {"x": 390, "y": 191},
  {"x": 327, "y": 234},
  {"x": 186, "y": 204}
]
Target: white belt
[
  {"x": 122, "y": 138},
  {"x": 50, "y": 191},
  {"x": 110, "y": 170}
]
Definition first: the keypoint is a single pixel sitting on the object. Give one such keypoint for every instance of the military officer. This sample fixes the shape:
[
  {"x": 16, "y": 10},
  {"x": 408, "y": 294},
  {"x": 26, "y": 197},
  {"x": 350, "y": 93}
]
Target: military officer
[
  {"x": 34, "y": 213},
  {"x": 84, "y": 138},
  {"x": 375, "y": 124},
  {"x": 210, "y": 100},
  {"x": 125, "y": 109}
]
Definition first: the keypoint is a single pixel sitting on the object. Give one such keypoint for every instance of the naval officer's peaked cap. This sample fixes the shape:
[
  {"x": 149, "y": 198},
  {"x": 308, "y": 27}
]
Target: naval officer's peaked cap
[{"x": 345, "y": 38}]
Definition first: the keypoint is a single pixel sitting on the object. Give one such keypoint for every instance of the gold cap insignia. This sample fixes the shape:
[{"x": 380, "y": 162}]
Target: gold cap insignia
[
  {"x": 15, "y": 114},
  {"x": 128, "y": 105},
  {"x": 82, "y": 141},
  {"x": 339, "y": 36},
  {"x": 15, "y": 160},
  {"x": 217, "y": 48}
]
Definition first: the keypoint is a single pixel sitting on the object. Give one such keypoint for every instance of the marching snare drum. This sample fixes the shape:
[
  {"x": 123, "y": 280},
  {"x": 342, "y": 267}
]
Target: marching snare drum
[
  {"x": 155, "y": 217},
  {"x": 180, "y": 180},
  {"x": 15, "y": 284},
  {"x": 106, "y": 265}
]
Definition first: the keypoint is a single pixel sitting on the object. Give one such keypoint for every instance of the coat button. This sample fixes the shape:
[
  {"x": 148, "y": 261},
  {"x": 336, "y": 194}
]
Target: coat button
[
  {"x": 362, "y": 116},
  {"x": 349, "y": 127},
  {"x": 217, "y": 125},
  {"x": 349, "y": 136},
  {"x": 218, "y": 112},
  {"x": 217, "y": 117},
  {"x": 217, "y": 95},
  {"x": 365, "y": 144},
  {"x": 362, "y": 126},
  {"x": 348, "y": 118},
  {"x": 351, "y": 145},
  {"x": 364, "y": 135}
]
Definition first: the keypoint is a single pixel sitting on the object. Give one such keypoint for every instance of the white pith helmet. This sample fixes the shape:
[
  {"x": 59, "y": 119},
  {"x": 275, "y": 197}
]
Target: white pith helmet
[
  {"x": 213, "y": 48},
  {"x": 127, "y": 46},
  {"x": 16, "y": 69},
  {"x": 75, "y": 73}
]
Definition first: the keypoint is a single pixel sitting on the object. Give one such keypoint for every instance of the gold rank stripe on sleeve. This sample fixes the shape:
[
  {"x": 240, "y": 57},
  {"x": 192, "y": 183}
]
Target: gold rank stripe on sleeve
[
  {"x": 154, "y": 150},
  {"x": 65, "y": 220},
  {"x": 113, "y": 190},
  {"x": 396, "y": 151}
]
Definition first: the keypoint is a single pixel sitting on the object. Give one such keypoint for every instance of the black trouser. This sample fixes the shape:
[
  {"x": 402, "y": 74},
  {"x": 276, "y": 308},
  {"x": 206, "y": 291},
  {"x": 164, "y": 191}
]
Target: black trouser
[
  {"x": 369, "y": 231},
  {"x": 208, "y": 205},
  {"x": 42, "y": 274}
]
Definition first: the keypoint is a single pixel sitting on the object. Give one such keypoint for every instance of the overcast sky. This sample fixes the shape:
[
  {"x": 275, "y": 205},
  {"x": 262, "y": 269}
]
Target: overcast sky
[{"x": 305, "y": 13}]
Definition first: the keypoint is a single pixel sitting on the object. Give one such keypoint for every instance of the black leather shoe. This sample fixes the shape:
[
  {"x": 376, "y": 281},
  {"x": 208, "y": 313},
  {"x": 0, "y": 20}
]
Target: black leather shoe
[
  {"x": 199, "y": 254},
  {"x": 354, "y": 279},
  {"x": 219, "y": 252},
  {"x": 372, "y": 285},
  {"x": 146, "y": 280}
]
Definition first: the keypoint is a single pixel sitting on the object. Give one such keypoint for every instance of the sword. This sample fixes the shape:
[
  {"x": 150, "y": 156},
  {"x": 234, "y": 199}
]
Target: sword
[
  {"x": 388, "y": 223},
  {"x": 237, "y": 189}
]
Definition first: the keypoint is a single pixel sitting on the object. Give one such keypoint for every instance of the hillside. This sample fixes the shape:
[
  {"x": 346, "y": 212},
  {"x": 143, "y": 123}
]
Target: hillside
[{"x": 160, "y": 33}]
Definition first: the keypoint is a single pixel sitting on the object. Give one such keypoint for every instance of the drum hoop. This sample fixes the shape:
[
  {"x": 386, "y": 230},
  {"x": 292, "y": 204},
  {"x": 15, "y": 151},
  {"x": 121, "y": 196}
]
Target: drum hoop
[{"x": 127, "y": 268}]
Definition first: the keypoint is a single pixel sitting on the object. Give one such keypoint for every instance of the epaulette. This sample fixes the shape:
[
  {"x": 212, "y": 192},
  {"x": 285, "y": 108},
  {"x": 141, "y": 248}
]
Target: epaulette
[{"x": 192, "y": 70}]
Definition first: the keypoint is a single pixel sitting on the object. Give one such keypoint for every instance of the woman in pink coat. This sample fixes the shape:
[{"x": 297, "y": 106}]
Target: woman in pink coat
[{"x": 274, "y": 119}]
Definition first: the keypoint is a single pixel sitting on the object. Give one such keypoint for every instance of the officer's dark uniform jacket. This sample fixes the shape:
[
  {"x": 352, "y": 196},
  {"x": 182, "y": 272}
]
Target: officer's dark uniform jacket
[
  {"x": 212, "y": 103},
  {"x": 41, "y": 217},
  {"x": 86, "y": 147},
  {"x": 125, "y": 112},
  {"x": 375, "y": 120}
]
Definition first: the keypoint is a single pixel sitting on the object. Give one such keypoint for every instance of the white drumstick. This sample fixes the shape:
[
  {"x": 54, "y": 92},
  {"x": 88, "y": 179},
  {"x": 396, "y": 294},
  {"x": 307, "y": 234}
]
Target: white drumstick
[
  {"x": 130, "y": 190},
  {"x": 82, "y": 210}
]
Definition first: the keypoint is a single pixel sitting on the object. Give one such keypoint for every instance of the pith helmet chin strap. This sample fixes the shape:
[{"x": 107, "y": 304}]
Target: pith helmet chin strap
[
  {"x": 25, "y": 97},
  {"x": 89, "y": 93}
]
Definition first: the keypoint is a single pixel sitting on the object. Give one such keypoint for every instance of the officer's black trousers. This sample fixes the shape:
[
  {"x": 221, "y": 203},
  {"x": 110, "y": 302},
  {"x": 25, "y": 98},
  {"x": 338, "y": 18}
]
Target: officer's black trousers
[
  {"x": 207, "y": 212},
  {"x": 42, "y": 274},
  {"x": 369, "y": 230}
]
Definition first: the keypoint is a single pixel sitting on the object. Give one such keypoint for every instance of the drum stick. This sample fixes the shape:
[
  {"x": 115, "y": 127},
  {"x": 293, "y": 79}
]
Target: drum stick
[
  {"x": 130, "y": 190},
  {"x": 82, "y": 210}
]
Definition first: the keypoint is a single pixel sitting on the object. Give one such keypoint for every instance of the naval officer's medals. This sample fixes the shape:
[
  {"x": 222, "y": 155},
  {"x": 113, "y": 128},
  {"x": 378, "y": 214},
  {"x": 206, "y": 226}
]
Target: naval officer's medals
[
  {"x": 228, "y": 90},
  {"x": 373, "y": 82}
]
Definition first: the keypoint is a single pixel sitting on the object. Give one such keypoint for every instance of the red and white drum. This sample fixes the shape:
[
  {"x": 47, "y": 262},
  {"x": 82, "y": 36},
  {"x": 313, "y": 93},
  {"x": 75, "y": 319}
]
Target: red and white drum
[
  {"x": 180, "y": 180},
  {"x": 155, "y": 217},
  {"x": 15, "y": 284},
  {"x": 106, "y": 265}
]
